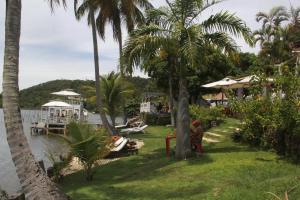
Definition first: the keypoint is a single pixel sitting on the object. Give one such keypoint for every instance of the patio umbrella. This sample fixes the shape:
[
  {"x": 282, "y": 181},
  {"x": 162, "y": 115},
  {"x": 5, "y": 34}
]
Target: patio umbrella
[
  {"x": 66, "y": 93},
  {"x": 222, "y": 84},
  {"x": 246, "y": 81}
]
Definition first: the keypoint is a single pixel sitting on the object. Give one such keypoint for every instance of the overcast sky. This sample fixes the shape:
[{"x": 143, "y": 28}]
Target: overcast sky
[{"x": 56, "y": 46}]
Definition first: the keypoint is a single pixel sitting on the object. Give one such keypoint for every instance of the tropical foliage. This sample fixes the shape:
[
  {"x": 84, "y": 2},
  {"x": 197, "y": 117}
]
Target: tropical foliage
[
  {"x": 87, "y": 144},
  {"x": 178, "y": 26},
  {"x": 207, "y": 116},
  {"x": 272, "y": 122},
  {"x": 278, "y": 36},
  {"x": 115, "y": 90}
]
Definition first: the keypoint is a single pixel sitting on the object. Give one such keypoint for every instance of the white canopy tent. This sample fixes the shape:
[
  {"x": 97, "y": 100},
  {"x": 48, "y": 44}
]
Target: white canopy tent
[{"x": 57, "y": 104}]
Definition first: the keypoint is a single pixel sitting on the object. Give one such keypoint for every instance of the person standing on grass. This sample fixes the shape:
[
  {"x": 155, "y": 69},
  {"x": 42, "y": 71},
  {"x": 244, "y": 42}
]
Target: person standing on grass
[{"x": 196, "y": 136}]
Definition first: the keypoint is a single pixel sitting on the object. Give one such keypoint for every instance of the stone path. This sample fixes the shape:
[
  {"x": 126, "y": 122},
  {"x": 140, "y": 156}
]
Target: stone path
[
  {"x": 209, "y": 140},
  {"x": 213, "y": 134}
]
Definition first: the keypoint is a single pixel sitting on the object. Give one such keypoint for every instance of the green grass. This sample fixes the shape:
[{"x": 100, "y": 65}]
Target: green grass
[{"x": 226, "y": 171}]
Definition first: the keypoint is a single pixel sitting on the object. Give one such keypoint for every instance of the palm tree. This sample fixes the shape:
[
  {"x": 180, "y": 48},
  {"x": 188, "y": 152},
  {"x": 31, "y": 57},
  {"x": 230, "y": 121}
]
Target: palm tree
[
  {"x": 114, "y": 11},
  {"x": 35, "y": 183},
  {"x": 274, "y": 18},
  {"x": 114, "y": 90},
  {"x": 90, "y": 7},
  {"x": 87, "y": 144},
  {"x": 178, "y": 22},
  {"x": 295, "y": 16}
]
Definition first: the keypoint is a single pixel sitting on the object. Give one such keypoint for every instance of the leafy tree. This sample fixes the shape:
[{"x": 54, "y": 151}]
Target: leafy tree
[
  {"x": 244, "y": 63},
  {"x": 35, "y": 183},
  {"x": 87, "y": 144},
  {"x": 274, "y": 18},
  {"x": 114, "y": 91},
  {"x": 179, "y": 22},
  {"x": 276, "y": 39}
]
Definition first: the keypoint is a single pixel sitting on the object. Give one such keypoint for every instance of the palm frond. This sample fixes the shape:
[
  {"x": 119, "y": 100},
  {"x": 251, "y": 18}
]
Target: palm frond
[
  {"x": 221, "y": 41},
  {"x": 81, "y": 10},
  {"x": 54, "y": 3},
  {"x": 229, "y": 23}
]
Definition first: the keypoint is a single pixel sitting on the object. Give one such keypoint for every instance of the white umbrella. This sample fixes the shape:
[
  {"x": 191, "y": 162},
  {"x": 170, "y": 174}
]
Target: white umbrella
[
  {"x": 224, "y": 83},
  {"x": 246, "y": 81},
  {"x": 57, "y": 104},
  {"x": 66, "y": 93}
]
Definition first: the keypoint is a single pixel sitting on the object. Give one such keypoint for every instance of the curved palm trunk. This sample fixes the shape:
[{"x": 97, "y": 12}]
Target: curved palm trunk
[
  {"x": 35, "y": 183},
  {"x": 97, "y": 75},
  {"x": 183, "y": 143}
]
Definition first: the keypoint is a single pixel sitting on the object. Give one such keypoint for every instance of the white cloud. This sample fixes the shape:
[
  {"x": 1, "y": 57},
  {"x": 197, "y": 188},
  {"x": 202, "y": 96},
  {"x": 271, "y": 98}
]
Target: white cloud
[{"x": 55, "y": 45}]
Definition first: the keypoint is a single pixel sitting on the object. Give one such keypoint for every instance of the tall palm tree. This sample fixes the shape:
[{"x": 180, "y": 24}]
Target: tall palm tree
[
  {"x": 114, "y": 90},
  {"x": 35, "y": 183},
  {"x": 116, "y": 12},
  {"x": 274, "y": 18},
  {"x": 295, "y": 16},
  {"x": 89, "y": 7},
  {"x": 178, "y": 22}
]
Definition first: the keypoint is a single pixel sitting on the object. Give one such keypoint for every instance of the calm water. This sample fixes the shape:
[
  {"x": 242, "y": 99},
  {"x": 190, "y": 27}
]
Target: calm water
[{"x": 40, "y": 146}]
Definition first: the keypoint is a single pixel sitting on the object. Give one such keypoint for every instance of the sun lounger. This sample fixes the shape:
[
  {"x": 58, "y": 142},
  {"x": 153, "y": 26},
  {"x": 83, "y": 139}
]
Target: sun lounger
[
  {"x": 134, "y": 129},
  {"x": 119, "y": 144},
  {"x": 119, "y": 141},
  {"x": 122, "y": 125}
]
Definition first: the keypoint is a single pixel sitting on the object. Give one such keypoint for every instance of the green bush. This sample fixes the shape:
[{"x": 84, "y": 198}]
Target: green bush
[
  {"x": 206, "y": 115},
  {"x": 272, "y": 122},
  {"x": 156, "y": 118},
  {"x": 87, "y": 144}
]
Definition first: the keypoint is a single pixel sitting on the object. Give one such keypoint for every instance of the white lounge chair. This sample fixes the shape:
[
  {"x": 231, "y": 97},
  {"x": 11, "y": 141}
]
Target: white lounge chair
[
  {"x": 122, "y": 125},
  {"x": 134, "y": 129},
  {"x": 119, "y": 144}
]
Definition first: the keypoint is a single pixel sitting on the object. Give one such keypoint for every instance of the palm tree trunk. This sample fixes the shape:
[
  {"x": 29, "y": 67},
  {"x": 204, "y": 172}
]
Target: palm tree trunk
[
  {"x": 97, "y": 75},
  {"x": 183, "y": 143},
  {"x": 113, "y": 120},
  {"x": 35, "y": 183},
  {"x": 120, "y": 40},
  {"x": 171, "y": 96}
]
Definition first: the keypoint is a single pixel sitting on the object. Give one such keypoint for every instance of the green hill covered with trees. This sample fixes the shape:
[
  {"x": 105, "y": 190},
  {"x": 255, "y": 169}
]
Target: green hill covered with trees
[{"x": 35, "y": 96}]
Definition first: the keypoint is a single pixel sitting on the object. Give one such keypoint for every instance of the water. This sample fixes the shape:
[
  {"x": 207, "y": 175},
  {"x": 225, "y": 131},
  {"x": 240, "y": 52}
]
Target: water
[{"x": 40, "y": 147}]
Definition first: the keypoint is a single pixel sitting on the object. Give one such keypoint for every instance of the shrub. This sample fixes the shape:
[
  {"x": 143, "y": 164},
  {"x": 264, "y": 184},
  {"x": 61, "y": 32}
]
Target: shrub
[
  {"x": 273, "y": 123},
  {"x": 87, "y": 144},
  {"x": 206, "y": 115},
  {"x": 58, "y": 164},
  {"x": 156, "y": 118}
]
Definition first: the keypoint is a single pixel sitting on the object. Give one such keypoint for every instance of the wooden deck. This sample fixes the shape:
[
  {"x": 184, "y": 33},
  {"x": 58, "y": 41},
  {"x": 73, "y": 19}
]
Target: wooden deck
[{"x": 40, "y": 129}]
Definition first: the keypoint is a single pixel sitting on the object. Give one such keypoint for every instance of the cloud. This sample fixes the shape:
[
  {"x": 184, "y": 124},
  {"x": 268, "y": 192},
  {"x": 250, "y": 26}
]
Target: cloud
[{"x": 55, "y": 45}]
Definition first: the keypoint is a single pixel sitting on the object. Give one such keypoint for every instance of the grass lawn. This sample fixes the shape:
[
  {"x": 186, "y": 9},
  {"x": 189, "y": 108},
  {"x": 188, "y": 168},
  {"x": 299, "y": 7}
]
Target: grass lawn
[{"x": 226, "y": 171}]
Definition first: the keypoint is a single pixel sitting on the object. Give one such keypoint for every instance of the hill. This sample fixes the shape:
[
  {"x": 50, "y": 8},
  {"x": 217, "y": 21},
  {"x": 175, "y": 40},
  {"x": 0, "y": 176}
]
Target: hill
[{"x": 35, "y": 96}]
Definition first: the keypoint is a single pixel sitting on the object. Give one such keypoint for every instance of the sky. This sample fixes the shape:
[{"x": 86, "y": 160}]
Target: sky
[{"x": 56, "y": 46}]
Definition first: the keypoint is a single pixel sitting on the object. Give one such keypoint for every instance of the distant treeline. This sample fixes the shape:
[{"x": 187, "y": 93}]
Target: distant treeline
[{"x": 34, "y": 97}]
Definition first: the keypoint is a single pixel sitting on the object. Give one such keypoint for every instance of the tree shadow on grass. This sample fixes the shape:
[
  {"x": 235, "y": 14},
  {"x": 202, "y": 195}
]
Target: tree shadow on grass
[
  {"x": 230, "y": 149},
  {"x": 127, "y": 172},
  {"x": 111, "y": 192}
]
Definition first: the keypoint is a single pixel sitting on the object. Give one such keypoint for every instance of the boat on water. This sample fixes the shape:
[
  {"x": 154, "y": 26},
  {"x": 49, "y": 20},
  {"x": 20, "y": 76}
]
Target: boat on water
[{"x": 56, "y": 114}]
